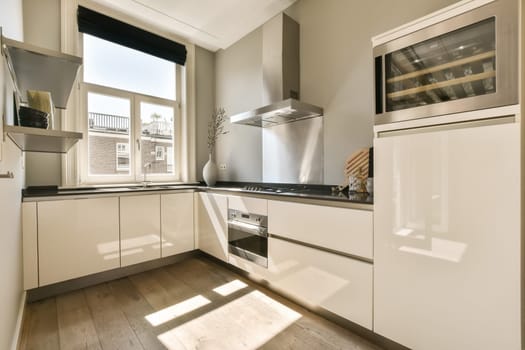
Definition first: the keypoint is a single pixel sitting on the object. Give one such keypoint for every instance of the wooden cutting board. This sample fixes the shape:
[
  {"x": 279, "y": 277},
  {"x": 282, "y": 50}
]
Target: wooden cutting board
[{"x": 357, "y": 164}]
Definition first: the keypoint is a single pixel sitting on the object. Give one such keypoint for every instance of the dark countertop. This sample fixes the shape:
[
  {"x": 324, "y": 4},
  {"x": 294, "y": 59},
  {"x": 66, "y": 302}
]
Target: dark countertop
[{"x": 320, "y": 192}]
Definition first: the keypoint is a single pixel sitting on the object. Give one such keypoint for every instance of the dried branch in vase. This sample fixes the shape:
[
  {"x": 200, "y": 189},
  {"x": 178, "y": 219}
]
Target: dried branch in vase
[{"x": 216, "y": 127}]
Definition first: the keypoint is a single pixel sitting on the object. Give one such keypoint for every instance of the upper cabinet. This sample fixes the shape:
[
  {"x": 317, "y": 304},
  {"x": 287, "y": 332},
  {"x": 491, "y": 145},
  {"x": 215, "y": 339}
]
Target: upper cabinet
[{"x": 35, "y": 68}]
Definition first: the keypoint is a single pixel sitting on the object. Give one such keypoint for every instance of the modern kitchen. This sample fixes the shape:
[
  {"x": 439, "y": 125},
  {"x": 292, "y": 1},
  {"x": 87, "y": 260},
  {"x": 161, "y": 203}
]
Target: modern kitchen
[{"x": 277, "y": 174}]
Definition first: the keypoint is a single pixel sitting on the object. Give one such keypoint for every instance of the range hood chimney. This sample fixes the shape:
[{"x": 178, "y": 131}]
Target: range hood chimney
[{"x": 280, "y": 63}]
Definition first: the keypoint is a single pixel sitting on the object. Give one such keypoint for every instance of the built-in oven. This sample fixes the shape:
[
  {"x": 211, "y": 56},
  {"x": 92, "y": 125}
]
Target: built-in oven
[
  {"x": 248, "y": 236},
  {"x": 464, "y": 63}
]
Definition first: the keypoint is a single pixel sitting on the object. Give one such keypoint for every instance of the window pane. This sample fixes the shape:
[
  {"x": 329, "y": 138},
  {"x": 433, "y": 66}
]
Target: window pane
[
  {"x": 157, "y": 123},
  {"x": 116, "y": 66},
  {"x": 108, "y": 134}
]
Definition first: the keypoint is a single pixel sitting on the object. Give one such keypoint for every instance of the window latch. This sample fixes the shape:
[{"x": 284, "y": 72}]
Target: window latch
[{"x": 138, "y": 144}]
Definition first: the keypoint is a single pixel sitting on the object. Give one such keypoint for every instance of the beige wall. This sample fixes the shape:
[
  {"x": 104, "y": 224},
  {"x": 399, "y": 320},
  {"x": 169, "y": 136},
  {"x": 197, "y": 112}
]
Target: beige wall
[
  {"x": 42, "y": 28},
  {"x": 204, "y": 102},
  {"x": 238, "y": 88},
  {"x": 336, "y": 73},
  {"x": 11, "y": 289}
]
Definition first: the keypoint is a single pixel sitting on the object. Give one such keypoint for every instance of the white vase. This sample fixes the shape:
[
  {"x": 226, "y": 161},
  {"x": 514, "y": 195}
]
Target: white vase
[{"x": 209, "y": 172}]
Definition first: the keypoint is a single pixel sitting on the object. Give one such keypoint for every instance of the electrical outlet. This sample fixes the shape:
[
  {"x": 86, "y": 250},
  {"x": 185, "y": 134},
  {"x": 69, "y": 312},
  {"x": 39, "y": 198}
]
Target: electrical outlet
[{"x": 222, "y": 166}]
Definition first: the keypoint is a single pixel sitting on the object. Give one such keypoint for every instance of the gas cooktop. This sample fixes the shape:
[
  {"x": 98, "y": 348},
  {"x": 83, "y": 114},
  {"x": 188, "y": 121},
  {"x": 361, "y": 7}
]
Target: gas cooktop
[{"x": 290, "y": 188}]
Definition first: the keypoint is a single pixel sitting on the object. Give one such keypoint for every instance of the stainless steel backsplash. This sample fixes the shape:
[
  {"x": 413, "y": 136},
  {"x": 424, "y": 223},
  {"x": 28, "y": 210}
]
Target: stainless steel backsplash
[{"x": 294, "y": 152}]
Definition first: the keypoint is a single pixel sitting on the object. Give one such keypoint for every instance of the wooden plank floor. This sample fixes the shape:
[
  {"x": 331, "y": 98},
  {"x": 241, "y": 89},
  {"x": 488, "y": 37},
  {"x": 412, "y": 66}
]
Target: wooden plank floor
[{"x": 180, "y": 307}]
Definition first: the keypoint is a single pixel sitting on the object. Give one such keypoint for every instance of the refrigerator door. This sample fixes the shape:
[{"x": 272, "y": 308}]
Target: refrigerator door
[{"x": 447, "y": 237}]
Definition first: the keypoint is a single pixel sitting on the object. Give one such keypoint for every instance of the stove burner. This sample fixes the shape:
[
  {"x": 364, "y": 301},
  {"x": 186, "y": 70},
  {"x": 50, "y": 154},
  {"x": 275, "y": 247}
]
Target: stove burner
[{"x": 262, "y": 189}]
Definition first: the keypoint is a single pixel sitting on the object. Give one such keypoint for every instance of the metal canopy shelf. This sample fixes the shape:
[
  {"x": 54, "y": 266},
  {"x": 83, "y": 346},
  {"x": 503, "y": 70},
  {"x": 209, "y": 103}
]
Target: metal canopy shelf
[
  {"x": 35, "y": 68},
  {"x": 42, "y": 140}
]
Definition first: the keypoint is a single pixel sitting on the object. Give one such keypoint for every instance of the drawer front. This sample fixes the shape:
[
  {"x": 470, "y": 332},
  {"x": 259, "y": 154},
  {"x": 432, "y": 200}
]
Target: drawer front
[
  {"x": 341, "y": 229},
  {"x": 256, "y": 272},
  {"x": 338, "y": 284},
  {"x": 248, "y": 205}
]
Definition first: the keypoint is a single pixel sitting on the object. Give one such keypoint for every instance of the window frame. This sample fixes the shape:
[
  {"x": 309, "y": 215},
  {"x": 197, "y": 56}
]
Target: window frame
[
  {"x": 177, "y": 137},
  {"x": 136, "y": 173}
]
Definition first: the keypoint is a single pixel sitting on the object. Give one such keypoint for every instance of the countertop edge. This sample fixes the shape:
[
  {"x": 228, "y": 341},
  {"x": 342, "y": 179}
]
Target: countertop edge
[{"x": 338, "y": 201}]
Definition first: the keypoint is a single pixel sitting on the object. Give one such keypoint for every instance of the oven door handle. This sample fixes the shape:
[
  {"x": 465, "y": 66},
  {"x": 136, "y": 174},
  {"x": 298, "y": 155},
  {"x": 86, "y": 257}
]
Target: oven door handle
[{"x": 252, "y": 229}]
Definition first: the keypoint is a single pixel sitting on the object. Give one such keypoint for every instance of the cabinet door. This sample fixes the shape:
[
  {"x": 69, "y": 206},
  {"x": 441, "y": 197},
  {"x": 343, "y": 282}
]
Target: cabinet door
[
  {"x": 336, "y": 283},
  {"x": 176, "y": 223},
  {"x": 30, "y": 245},
  {"x": 447, "y": 238},
  {"x": 212, "y": 217},
  {"x": 77, "y": 237},
  {"x": 139, "y": 228}
]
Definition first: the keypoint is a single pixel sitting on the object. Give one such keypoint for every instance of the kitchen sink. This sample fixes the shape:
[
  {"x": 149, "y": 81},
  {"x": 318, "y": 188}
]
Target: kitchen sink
[{"x": 152, "y": 187}]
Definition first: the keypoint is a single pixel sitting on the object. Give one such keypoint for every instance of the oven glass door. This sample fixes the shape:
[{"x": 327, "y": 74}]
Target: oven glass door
[
  {"x": 250, "y": 243},
  {"x": 452, "y": 66}
]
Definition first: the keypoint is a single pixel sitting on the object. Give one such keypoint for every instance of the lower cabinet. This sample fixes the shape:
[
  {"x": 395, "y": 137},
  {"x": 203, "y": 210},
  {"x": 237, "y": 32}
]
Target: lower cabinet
[
  {"x": 176, "y": 223},
  {"x": 336, "y": 283},
  {"x": 77, "y": 237},
  {"x": 212, "y": 226},
  {"x": 139, "y": 228}
]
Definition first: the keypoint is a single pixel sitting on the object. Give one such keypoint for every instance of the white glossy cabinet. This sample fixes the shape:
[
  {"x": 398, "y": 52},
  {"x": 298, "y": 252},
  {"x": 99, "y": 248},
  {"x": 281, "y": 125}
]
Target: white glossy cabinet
[
  {"x": 447, "y": 266},
  {"x": 346, "y": 230},
  {"x": 336, "y": 283},
  {"x": 30, "y": 245},
  {"x": 139, "y": 228},
  {"x": 77, "y": 237},
  {"x": 212, "y": 227},
  {"x": 248, "y": 205},
  {"x": 176, "y": 223}
]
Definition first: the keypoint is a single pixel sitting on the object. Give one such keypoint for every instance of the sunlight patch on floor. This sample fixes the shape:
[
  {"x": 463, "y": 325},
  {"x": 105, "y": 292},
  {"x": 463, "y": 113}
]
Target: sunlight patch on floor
[
  {"x": 230, "y": 287},
  {"x": 176, "y": 310},
  {"x": 244, "y": 323}
]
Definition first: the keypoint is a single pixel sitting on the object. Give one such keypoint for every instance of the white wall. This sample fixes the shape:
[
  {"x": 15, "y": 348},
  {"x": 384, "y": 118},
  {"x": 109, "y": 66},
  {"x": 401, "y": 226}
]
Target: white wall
[
  {"x": 11, "y": 289},
  {"x": 336, "y": 74},
  {"x": 42, "y": 28}
]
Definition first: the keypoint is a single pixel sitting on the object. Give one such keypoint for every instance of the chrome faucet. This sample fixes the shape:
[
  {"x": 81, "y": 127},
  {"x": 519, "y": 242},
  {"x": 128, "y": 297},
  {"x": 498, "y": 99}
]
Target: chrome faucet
[{"x": 145, "y": 183}]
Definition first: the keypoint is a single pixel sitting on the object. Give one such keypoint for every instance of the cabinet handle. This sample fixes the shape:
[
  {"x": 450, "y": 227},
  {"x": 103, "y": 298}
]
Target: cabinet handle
[{"x": 8, "y": 175}]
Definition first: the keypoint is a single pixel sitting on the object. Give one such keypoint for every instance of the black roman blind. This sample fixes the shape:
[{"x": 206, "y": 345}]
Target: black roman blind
[{"x": 107, "y": 28}]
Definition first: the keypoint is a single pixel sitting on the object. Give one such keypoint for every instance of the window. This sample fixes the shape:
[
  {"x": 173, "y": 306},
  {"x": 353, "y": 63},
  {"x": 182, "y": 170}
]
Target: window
[
  {"x": 116, "y": 66},
  {"x": 122, "y": 163},
  {"x": 131, "y": 114},
  {"x": 159, "y": 153}
]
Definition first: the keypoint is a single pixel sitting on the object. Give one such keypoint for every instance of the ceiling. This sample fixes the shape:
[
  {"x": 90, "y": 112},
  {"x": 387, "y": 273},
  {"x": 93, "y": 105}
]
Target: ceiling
[{"x": 212, "y": 24}]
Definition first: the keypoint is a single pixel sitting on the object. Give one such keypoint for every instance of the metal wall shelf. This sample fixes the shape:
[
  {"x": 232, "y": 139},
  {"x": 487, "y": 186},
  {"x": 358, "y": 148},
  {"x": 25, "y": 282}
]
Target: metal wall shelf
[
  {"x": 35, "y": 68},
  {"x": 42, "y": 140}
]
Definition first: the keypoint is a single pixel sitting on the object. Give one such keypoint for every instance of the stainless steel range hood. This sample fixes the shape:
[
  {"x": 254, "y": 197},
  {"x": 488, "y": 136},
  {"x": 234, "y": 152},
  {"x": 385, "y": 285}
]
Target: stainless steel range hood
[{"x": 280, "y": 63}]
